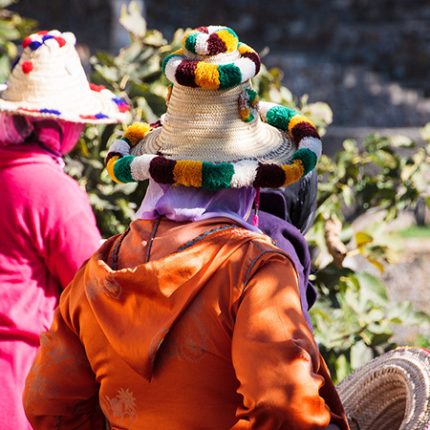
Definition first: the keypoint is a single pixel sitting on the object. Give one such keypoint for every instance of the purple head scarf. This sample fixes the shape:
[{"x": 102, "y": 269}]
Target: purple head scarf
[{"x": 179, "y": 203}]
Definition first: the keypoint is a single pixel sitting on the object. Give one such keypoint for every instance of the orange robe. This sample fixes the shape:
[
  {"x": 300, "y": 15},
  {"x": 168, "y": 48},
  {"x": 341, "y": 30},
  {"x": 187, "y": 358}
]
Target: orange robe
[{"x": 199, "y": 327}]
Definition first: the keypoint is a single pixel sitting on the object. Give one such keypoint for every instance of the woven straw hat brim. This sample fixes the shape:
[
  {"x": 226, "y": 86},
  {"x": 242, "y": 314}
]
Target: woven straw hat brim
[
  {"x": 94, "y": 104},
  {"x": 391, "y": 392},
  {"x": 205, "y": 125}
]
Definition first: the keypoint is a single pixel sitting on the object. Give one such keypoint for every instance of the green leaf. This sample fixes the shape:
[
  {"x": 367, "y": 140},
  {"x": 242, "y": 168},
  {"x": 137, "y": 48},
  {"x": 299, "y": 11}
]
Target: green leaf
[
  {"x": 371, "y": 288},
  {"x": 360, "y": 354},
  {"x": 343, "y": 368},
  {"x": 132, "y": 20},
  {"x": 362, "y": 238}
]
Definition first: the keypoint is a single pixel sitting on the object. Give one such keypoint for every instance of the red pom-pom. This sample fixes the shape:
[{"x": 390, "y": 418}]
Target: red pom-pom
[
  {"x": 60, "y": 41},
  {"x": 123, "y": 107},
  {"x": 27, "y": 66},
  {"x": 26, "y": 42},
  {"x": 97, "y": 88}
]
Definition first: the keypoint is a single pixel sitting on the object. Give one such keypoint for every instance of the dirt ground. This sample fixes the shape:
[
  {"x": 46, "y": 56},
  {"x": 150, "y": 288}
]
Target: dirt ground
[{"x": 410, "y": 279}]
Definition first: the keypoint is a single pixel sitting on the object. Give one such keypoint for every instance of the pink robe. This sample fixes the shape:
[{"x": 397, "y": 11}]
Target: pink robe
[{"x": 47, "y": 231}]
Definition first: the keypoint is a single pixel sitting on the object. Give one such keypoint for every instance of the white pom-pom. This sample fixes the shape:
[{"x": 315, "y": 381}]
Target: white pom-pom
[
  {"x": 51, "y": 44},
  {"x": 244, "y": 173},
  {"x": 171, "y": 68},
  {"x": 139, "y": 167},
  {"x": 264, "y": 107},
  {"x": 69, "y": 37},
  {"x": 120, "y": 146},
  {"x": 247, "y": 68},
  {"x": 313, "y": 144},
  {"x": 54, "y": 33},
  {"x": 201, "y": 46}
]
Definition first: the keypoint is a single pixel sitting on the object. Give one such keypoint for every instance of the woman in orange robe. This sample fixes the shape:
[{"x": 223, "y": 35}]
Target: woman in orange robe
[{"x": 192, "y": 318}]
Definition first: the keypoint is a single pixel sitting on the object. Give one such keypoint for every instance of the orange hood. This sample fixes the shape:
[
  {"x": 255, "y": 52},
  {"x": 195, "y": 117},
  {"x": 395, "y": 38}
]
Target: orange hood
[{"x": 145, "y": 301}]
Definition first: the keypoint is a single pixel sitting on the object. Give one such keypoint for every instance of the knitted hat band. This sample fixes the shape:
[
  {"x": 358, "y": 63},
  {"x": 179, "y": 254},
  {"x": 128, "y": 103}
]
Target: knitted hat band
[{"x": 48, "y": 80}]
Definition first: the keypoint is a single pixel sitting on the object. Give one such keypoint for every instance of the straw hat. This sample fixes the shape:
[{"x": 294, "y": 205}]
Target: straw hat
[
  {"x": 391, "y": 392},
  {"x": 216, "y": 134},
  {"x": 48, "y": 80}
]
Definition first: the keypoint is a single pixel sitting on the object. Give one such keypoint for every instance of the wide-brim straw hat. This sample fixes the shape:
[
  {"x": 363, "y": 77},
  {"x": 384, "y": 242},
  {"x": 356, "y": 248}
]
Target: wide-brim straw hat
[
  {"x": 215, "y": 133},
  {"x": 48, "y": 81},
  {"x": 391, "y": 392}
]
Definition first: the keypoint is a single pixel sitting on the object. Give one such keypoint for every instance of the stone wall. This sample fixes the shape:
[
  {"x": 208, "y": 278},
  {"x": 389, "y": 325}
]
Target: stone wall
[
  {"x": 391, "y": 36},
  {"x": 369, "y": 59}
]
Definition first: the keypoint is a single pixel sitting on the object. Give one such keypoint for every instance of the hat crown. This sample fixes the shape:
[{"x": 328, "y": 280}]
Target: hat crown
[
  {"x": 211, "y": 41},
  {"x": 212, "y": 58}
]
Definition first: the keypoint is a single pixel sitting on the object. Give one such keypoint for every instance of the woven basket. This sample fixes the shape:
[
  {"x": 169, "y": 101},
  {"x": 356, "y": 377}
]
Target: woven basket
[{"x": 391, "y": 392}]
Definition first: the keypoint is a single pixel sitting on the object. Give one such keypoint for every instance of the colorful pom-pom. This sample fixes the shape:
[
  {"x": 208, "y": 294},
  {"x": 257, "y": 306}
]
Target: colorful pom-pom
[
  {"x": 61, "y": 41},
  {"x": 136, "y": 132},
  {"x": 206, "y": 76},
  {"x": 26, "y": 42},
  {"x": 248, "y": 102},
  {"x": 35, "y": 45},
  {"x": 27, "y": 67},
  {"x": 122, "y": 169},
  {"x": 229, "y": 76},
  {"x": 121, "y": 104},
  {"x": 280, "y": 117},
  {"x": 97, "y": 88},
  {"x": 211, "y": 41},
  {"x": 217, "y": 176}
]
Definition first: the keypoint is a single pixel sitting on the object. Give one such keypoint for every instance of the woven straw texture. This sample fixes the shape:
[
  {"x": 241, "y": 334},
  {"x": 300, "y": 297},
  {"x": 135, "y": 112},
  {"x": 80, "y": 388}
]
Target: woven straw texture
[
  {"x": 391, "y": 392},
  {"x": 57, "y": 82},
  {"x": 206, "y": 125}
]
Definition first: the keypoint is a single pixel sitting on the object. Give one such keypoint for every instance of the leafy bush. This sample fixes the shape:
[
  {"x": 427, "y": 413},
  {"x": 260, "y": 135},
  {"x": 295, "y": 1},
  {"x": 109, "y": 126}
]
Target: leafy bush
[
  {"x": 354, "y": 319},
  {"x": 13, "y": 28}
]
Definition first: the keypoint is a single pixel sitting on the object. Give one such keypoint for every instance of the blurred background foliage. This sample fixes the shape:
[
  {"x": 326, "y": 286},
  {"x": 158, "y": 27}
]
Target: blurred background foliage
[{"x": 354, "y": 318}]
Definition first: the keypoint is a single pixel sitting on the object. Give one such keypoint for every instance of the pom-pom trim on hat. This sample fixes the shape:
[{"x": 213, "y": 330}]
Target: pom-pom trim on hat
[
  {"x": 36, "y": 40},
  {"x": 190, "y": 72},
  {"x": 211, "y": 40},
  {"x": 248, "y": 103},
  {"x": 123, "y": 167}
]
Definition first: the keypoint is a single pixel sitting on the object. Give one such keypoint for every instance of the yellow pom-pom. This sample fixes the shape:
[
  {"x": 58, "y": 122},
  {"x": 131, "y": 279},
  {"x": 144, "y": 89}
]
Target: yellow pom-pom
[
  {"x": 245, "y": 49},
  {"x": 136, "y": 132},
  {"x": 229, "y": 39},
  {"x": 293, "y": 172},
  {"x": 298, "y": 119},
  {"x": 188, "y": 173},
  {"x": 207, "y": 76},
  {"x": 110, "y": 168}
]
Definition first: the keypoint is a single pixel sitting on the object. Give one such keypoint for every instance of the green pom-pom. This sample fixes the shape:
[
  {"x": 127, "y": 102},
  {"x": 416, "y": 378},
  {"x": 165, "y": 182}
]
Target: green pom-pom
[
  {"x": 190, "y": 42},
  {"x": 307, "y": 157},
  {"x": 229, "y": 76},
  {"x": 122, "y": 169},
  {"x": 252, "y": 95},
  {"x": 217, "y": 176},
  {"x": 280, "y": 116}
]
